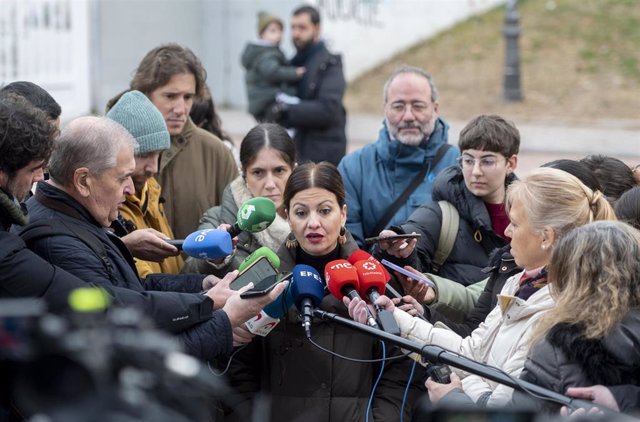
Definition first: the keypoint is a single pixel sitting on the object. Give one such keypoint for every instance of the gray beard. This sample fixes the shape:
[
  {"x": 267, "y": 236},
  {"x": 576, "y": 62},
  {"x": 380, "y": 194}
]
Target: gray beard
[{"x": 412, "y": 140}]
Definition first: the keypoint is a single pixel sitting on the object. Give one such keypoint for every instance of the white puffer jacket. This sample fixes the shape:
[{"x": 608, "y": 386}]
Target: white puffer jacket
[{"x": 502, "y": 340}]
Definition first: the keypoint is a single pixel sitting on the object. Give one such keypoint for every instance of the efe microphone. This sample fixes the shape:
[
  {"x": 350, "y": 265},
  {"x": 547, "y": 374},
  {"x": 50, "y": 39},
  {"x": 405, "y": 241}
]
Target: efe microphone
[{"x": 307, "y": 291}]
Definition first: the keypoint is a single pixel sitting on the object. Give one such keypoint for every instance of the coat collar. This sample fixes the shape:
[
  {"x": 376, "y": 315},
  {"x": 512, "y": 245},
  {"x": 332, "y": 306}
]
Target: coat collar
[{"x": 394, "y": 153}]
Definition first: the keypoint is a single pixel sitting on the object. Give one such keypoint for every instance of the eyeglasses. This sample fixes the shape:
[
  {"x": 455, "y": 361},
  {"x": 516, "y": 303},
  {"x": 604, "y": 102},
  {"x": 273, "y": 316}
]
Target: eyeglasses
[
  {"x": 486, "y": 163},
  {"x": 416, "y": 107}
]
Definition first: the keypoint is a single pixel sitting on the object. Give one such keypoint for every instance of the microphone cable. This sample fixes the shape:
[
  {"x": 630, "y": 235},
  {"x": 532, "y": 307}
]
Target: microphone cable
[
  {"x": 375, "y": 385},
  {"x": 383, "y": 359},
  {"x": 406, "y": 390},
  {"x": 226, "y": 369}
]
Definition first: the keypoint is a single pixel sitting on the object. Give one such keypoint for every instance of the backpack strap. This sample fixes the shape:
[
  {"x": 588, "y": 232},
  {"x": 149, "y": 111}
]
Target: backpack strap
[
  {"x": 47, "y": 228},
  {"x": 448, "y": 235},
  {"x": 400, "y": 201}
]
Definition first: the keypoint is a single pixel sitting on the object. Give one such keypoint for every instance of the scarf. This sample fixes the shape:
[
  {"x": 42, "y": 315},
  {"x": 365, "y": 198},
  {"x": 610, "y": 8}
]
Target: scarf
[
  {"x": 531, "y": 282},
  {"x": 15, "y": 212}
]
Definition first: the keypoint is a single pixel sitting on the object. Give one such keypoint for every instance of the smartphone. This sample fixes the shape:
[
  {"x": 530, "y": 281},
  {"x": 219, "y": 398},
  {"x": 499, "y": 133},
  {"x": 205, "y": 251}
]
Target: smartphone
[
  {"x": 257, "y": 271},
  {"x": 370, "y": 240},
  {"x": 419, "y": 277}
]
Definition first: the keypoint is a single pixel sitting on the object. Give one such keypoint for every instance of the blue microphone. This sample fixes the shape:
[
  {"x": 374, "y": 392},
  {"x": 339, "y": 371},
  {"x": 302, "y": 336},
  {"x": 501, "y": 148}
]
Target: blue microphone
[
  {"x": 307, "y": 291},
  {"x": 208, "y": 244}
]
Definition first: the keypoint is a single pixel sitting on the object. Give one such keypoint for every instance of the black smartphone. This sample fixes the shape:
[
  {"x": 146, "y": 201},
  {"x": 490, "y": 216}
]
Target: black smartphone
[
  {"x": 264, "y": 286},
  {"x": 261, "y": 273},
  {"x": 370, "y": 240}
]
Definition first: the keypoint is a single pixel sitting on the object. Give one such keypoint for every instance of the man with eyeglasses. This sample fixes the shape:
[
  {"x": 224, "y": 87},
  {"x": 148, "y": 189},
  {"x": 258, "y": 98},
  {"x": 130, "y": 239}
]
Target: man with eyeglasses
[
  {"x": 476, "y": 187},
  {"x": 401, "y": 166}
]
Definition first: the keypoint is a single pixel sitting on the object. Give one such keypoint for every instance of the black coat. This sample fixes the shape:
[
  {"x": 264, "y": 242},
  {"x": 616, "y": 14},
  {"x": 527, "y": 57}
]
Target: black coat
[
  {"x": 564, "y": 358},
  {"x": 170, "y": 300},
  {"x": 476, "y": 238},
  {"x": 308, "y": 384},
  {"x": 24, "y": 274},
  {"x": 501, "y": 267},
  {"x": 319, "y": 119}
]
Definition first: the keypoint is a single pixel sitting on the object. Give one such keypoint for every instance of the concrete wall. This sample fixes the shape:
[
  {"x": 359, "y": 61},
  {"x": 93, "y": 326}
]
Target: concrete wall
[
  {"x": 365, "y": 32},
  {"x": 123, "y": 31}
]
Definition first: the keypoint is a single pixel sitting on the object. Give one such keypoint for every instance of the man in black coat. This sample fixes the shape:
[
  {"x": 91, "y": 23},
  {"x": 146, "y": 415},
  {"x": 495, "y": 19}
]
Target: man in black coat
[
  {"x": 90, "y": 174},
  {"x": 319, "y": 118}
]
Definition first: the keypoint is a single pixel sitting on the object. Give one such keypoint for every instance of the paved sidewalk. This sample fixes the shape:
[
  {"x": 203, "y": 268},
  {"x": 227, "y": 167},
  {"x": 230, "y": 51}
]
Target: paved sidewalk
[{"x": 541, "y": 141}]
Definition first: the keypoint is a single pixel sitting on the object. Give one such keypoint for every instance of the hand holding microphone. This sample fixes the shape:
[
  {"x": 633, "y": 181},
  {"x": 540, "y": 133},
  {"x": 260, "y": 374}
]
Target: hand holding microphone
[{"x": 373, "y": 282}]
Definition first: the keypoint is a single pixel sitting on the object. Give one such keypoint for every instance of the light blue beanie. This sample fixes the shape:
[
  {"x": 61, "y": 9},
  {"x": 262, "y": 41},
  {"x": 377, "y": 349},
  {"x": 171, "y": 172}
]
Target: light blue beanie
[{"x": 143, "y": 120}]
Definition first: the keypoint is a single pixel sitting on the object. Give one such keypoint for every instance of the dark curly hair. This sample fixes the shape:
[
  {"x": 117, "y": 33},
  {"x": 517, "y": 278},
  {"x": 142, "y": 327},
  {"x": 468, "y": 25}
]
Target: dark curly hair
[{"x": 25, "y": 134}]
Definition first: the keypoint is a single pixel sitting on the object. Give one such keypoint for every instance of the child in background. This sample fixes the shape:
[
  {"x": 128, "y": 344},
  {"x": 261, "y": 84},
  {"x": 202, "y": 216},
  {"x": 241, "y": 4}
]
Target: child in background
[{"x": 268, "y": 72}]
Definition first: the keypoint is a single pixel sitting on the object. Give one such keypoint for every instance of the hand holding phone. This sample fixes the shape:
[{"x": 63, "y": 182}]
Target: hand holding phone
[
  {"x": 419, "y": 277},
  {"x": 263, "y": 276},
  {"x": 371, "y": 240}
]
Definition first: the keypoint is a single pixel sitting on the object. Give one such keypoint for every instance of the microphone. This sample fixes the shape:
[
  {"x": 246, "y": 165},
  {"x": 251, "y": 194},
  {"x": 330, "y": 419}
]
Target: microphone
[
  {"x": 342, "y": 280},
  {"x": 259, "y": 253},
  {"x": 372, "y": 284},
  {"x": 360, "y": 255},
  {"x": 307, "y": 291},
  {"x": 254, "y": 215},
  {"x": 263, "y": 323},
  {"x": 208, "y": 244}
]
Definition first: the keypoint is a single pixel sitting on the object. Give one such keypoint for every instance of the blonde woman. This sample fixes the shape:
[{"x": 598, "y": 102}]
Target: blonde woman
[
  {"x": 543, "y": 207},
  {"x": 592, "y": 335}
]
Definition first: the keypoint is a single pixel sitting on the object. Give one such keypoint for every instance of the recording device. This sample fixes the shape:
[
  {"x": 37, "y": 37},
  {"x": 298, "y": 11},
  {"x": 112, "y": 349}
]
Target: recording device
[
  {"x": 373, "y": 282},
  {"x": 439, "y": 373},
  {"x": 371, "y": 240},
  {"x": 112, "y": 364},
  {"x": 360, "y": 255},
  {"x": 261, "y": 273},
  {"x": 307, "y": 291},
  {"x": 263, "y": 323},
  {"x": 260, "y": 252},
  {"x": 205, "y": 244},
  {"x": 254, "y": 215},
  {"x": 342, "y": 280},
  {"x": 414, "y": 276}
]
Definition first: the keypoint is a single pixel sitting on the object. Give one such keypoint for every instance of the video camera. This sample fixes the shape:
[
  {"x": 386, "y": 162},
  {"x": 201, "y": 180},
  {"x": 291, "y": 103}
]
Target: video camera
[{"x": 90, "y": 366}]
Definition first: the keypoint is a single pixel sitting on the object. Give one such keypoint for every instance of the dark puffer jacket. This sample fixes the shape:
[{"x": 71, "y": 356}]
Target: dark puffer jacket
[
  {"x": 476, "y": 238},
  {"x": 268, "y": 72},
  {"x": 564, "y": 358},
  {"x": 501, "y": 267},
  {"x": 176, "y": 305},
  {"x": 310, "y": 385}
]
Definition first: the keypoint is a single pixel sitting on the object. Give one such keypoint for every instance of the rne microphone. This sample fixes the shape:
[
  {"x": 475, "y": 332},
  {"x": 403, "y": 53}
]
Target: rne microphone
[
  {"x": 307, "y": 291},
  {"x": 259, "y": 253},
  {"x": 263, "y": 323},
  {"x": 373, "y": 282},
  {"x": 206, "y": 244},
  {"x": 254, "y": 215},
  {"x": 342, "y": 280}
]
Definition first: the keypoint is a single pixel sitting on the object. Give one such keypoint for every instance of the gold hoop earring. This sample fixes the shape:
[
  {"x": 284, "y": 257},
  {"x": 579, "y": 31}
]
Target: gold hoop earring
[
  {"x": 291, "y": 242},
  {"x": 342, "y": 237}
]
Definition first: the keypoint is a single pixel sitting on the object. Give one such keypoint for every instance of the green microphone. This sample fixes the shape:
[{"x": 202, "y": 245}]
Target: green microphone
[
  {"x": 254, "y": 215},
  {"x": 259, "y": 253}
]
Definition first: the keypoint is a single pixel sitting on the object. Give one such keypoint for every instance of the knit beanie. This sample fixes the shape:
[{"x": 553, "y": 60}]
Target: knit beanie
[
  {"x": 143, "y": 120},
  {"x": 264, "y": 19}
]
